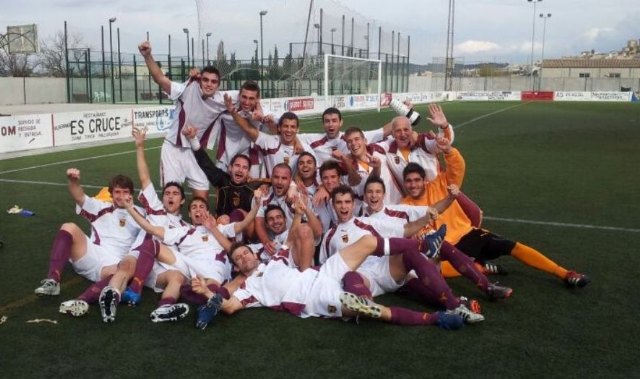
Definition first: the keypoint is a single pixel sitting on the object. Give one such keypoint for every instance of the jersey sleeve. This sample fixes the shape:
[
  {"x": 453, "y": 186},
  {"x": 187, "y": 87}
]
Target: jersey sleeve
[
  {"x": 246, "y": 298},
  {"x": 177, "y": 89},
  {"x": 91, "y": 207},
  {"x": 228, "y": 230},
  {"x": 373, "y": 136}
]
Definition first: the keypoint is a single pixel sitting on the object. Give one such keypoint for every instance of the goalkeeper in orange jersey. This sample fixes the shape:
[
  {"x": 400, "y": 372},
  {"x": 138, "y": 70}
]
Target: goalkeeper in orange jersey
[{"x": 478, "y": 243}]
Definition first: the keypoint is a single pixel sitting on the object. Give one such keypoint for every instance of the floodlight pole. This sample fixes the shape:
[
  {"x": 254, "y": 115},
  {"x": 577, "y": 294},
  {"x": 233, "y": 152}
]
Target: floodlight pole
[
  {"x": 208, "y": 35},
  {"x": 533, "y": 36},
  {"x": 119, "y": 65},
  {"x": 113, "y": 86},
  {"x": 187, "y": 33},
  {"x": 544, "y": 31},
  {"x": 262, "y": 13}
]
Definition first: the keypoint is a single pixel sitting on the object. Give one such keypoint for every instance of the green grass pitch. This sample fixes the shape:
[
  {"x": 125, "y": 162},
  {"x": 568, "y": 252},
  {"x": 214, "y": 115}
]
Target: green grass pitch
[{"x": 561, "y": 177}]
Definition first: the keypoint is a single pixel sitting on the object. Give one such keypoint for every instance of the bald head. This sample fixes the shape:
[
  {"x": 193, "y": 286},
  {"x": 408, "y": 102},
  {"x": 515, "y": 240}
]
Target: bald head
[{"x": 401, "y": 131}]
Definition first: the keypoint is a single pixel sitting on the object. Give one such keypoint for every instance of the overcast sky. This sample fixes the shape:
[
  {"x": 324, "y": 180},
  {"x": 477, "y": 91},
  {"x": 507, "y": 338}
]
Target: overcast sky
[{"x": 493, "y": 30}]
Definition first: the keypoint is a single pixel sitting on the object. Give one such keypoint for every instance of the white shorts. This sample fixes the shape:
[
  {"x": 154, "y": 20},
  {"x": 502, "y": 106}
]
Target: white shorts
[
  {"x": 157, "y": 270},
  {"x": 94, "y": 260},
  {"x": 204, "y": 265},
  {"x": 324, "y": 298},
  {"x": 178, "y": 164},
  {"x": 376, "y": 270}
]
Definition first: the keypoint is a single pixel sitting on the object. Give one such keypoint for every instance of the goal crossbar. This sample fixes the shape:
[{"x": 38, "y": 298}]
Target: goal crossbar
[{"x": 326, "y": 74}]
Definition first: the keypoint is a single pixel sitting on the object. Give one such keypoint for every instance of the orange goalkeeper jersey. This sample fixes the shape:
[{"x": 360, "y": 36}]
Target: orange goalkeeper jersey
[{"x": 458, "y": 224}]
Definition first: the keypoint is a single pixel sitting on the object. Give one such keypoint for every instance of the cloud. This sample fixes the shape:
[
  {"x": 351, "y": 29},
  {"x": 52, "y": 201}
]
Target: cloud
[
  {"x": 476, "y": 47},
  {"x": 593, "y": 34}
]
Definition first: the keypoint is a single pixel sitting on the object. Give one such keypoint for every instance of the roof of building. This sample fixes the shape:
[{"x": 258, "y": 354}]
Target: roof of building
[{"x": 592, "y": 63}]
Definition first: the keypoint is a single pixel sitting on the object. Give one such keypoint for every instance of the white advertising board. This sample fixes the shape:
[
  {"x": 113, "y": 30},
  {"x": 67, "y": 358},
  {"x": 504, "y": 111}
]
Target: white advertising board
[
  {"x": 155, "y": 119},
  {"x": 81, "y": 127},
  {"x": 25, "y": 132}
]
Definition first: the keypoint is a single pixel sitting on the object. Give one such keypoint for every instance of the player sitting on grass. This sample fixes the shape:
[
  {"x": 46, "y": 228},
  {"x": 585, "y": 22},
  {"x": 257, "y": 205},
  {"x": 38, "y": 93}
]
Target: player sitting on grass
[
  {"x": 313, "y": 293},
  {"x": 480, "y": 244},
  {"x": 97, "y": 258}
]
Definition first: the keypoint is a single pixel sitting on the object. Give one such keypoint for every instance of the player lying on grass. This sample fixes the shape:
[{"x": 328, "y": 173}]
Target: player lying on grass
[
  {"x": 315, "y": 293},
  {"x": 99, "y": 257},
  {"x": 480, "y": 244},
  {"x": 379, "y": 275},
  {"x": 196, "y": 250}
]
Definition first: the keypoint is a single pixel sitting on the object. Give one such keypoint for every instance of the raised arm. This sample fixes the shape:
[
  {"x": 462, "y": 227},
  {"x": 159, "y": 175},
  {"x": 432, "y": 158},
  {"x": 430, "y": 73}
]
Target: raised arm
[
  {"x": 216, "y": 176},
  {"x": 155, "y": 71},
  {"x": 242, "y": 122},
  {"x": 157, "y": 231},
  {"x": 75, "y": 189},
  {"x": 139, "y": 136},
  {"x": 414, "y": 227}
]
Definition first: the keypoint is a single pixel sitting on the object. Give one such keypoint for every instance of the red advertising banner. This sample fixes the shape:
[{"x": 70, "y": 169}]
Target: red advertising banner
[
  {"x": 537, "y": 95},
  {"x": 300, "y": 104}
]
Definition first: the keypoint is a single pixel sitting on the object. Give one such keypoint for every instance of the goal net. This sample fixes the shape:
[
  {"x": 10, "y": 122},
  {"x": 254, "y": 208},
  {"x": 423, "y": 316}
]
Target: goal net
[{"x": 349, "y": 75}]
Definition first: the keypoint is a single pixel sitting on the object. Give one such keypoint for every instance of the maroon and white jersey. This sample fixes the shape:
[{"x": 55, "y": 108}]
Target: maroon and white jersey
[
  {"x": 233, "y": 140},
  {"x": 345, "y": 234},
  {"x": 423, "y": 152},
  {"x": 281, "y": 201},
  {"x": 304, "y": 294},
  {"x": 327, "y": 215},
  {"x": 156, "y": 213},
  {"x": 393, "y": 192},
  {"x": 323, "y": 146},
  {"x": 398, "y": 213},
  {"x": 111, "y": 227},
  {"x": 191, "y": 109},
  {"x": 199, "y": 252},
  {"x": 274, "y": 152}
]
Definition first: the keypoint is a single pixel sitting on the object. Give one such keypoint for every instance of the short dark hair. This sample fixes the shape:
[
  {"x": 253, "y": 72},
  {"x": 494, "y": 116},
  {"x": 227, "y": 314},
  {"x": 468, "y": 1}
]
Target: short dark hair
[
  {"x": 289, "y": 116},
  {"x": 282, "y": 165},
  {"x": 372, "y": 179},
  {"x": 330, "y": 165},
  {"x": 272, "y": 207},
  {"x": 121, "y": 181},
  {"x": 240, "y": 156},
  {"x": 411, "y": 168},
  {"x": 308, "y": 154},
  {"x": 250, "y": 85},
  {"x": 174, "y": 184},
  {"x": 198, "y": 198},
  {"x": 353, "y": 129},
  {"x": 212, "y": 70},
  {"x": 332, "y": 110},
  {"x": 341, "y": 190}
]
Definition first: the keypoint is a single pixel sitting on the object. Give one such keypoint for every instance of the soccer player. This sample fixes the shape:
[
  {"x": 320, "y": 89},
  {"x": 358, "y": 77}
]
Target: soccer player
[
  {"x": 275, "y": 149},
  {"x": 197, "y": 102},
  {"x": 325, "y": 144},
  {"x": 405, "y": 147},
  {"x": 480, "y": 244},
  {"x": 165, "y": 212},
  {"x": 306, "y": 178},
  {"x": 378, "y": 275},
  {"x": 312, "y": 293},
  {"x": 234, "y": 190},
  {"x": 96, "y": 258},
  {"x": 283, "y": 194}
]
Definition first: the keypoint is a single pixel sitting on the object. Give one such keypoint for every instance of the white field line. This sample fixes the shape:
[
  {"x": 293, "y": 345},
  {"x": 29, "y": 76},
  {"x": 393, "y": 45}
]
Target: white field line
[
  {"x": 487, "y": 115},
  {"x": 73, "y": 161}
]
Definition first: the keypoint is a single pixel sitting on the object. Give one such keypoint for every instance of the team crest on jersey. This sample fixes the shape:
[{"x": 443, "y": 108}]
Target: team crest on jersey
[
  {"x": 331, "y": 309},
  {"x": 236, "y": 199},
  {"x": 122, "y": 222},
  {"x": 345, "y": 238},
  {"x": 205, "y": 238},
  {"x": 396, "y": 159}
]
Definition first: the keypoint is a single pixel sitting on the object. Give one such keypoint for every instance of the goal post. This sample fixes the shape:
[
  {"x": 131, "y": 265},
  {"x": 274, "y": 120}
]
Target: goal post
[{"x": 344, "y": 75}]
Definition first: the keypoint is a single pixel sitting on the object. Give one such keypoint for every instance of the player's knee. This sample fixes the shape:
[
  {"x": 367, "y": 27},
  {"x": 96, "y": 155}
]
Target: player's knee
[
  {"x": 127, "y": 266},
  {"x": 70, "y": 227}
]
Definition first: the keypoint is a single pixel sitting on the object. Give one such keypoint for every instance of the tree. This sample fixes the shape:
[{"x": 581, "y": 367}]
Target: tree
[{"x": 52, "y": 53}]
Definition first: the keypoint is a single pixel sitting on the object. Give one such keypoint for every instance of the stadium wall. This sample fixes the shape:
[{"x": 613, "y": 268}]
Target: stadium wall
[{"x": 47, "y": 130}]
